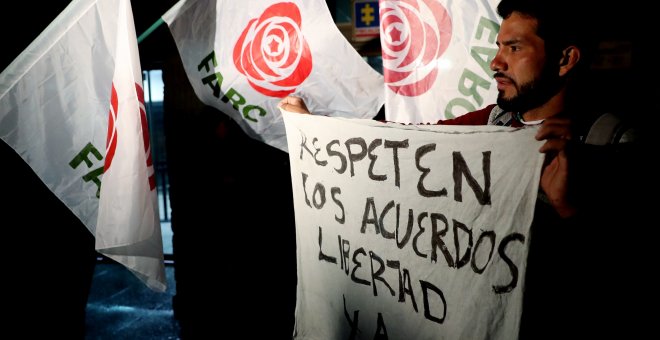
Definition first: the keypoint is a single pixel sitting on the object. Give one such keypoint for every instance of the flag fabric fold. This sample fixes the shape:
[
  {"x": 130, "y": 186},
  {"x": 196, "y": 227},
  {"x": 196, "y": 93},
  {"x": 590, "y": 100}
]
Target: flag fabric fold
[
  {"x": 72, "y": 106},
  {"x": 243, "y": 57}
]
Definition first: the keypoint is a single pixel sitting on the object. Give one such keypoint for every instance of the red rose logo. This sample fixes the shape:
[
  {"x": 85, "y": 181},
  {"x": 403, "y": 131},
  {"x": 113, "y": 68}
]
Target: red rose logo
[
  {"x": 414, "y": 34},
  {"x": 145, "y": 137},
  {"x": 111, "y": 140},
  {"x": 272, "y": 52}
]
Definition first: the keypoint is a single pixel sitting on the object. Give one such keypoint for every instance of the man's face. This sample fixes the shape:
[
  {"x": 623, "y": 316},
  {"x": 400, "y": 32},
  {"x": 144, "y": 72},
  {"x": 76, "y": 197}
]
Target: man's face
[{"x": 525, "y": 78}]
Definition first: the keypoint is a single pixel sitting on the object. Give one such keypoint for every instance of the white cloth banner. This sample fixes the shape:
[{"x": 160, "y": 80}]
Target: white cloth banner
[
  {"x": 242, "y": 57},
  {"x": 71, "y": 105},
  {"x": 417, "y": 232},
  {"x": 436, "y": 57}
]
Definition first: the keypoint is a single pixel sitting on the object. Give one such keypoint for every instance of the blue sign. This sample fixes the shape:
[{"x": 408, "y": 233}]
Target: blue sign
[{"x": 366, "y": 18}]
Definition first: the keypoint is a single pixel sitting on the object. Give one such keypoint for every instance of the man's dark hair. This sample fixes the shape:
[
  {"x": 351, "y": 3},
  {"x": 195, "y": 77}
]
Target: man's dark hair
[{"x": 560, "y": 24}]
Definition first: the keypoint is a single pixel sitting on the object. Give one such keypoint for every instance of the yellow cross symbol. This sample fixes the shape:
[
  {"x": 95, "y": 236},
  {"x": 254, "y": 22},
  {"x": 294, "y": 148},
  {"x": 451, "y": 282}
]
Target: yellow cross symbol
[{"x": 367, "y": 14}]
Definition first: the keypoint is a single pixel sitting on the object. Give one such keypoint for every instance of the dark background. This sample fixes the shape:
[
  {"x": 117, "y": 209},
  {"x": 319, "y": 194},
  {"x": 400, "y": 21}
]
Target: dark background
[
  {"x": 232, "y": 214},
  {"x": 234, "y": 240}
]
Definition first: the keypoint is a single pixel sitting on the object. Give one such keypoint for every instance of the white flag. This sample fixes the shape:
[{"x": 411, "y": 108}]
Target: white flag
[
  {"x": 71, "y": 105},
  {"x": 242, "y": 57},
  {"x": 436, "y": 57}
]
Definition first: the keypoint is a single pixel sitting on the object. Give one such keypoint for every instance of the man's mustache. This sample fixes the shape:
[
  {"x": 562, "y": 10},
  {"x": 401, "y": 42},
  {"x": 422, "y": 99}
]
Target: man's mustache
[{"x": 502, "y": 75}]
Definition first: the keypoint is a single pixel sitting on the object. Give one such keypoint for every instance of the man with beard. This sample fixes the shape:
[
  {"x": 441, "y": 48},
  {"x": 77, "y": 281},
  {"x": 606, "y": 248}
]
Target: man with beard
[
  {"x": 537, "y": 66},
  {"x": 582, "y": 245}
]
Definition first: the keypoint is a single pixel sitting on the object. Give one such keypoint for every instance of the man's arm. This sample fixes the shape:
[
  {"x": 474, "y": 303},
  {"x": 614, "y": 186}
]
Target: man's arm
[
  {"x": 578, "y": 177},
  {"x": 556, "y": 131}
]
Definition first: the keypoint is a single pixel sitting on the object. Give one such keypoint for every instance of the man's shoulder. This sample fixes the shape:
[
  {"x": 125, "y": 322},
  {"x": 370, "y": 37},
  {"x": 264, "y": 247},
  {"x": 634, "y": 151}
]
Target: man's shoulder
[
  {"x": 478, "y": 117},
  {"x": 609, "y": 128}
]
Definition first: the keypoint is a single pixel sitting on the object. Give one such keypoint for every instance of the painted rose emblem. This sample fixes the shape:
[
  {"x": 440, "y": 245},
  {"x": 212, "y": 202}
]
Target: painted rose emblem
[
  {"x": 151, "y": 173},
  {"x": 111, "y": 139},
  {"x": 414, "y": 34},
  {"x": 272, "y": 52},
  {"x": 112, "y": 136}
]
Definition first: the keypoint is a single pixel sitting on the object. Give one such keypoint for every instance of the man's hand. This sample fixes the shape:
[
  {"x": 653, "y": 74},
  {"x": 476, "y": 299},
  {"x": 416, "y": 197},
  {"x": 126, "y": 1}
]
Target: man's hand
[
  {"x": 556, "y": 131},
  {"x": 293, "y": 104}
]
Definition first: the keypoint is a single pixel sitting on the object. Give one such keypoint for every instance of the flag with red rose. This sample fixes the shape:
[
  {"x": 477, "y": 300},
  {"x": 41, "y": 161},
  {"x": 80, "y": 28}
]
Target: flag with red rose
[
  {"x": 243, "y": 57},
  {"x": 436, "y": 57},
  {"x": 72, "y": 106},
  {"x": 128, "y": 218}
]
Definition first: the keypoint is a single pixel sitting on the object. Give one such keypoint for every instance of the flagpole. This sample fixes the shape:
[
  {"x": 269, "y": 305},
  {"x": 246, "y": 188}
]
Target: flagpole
[{"x": 150, "y": 29}]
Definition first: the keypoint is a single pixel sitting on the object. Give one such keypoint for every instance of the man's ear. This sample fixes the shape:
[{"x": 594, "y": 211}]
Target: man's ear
[{"x": 570, "y": 56}]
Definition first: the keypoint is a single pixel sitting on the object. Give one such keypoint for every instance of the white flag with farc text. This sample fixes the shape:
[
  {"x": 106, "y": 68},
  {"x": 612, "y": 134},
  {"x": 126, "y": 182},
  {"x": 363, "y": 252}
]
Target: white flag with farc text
[{"x": 72, "y": 106}]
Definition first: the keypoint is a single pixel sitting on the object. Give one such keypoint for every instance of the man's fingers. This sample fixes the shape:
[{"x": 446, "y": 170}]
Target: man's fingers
[
  {"x": 554, "y": 145},
  {"x": 554, "y": 127}
]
